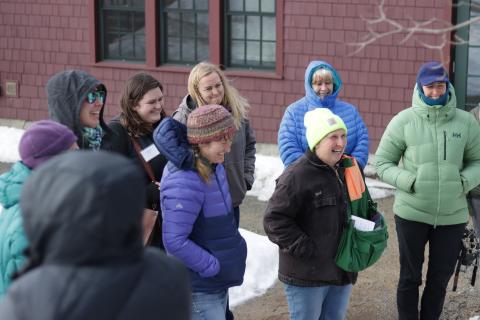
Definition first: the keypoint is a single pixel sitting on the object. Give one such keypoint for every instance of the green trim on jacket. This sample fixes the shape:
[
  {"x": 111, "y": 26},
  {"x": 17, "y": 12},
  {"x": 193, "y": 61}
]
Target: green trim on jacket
[{"x": 440, "y": 150}]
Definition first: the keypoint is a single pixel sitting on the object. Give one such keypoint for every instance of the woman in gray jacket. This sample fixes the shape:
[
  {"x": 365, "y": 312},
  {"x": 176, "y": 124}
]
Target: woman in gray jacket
[{"x": 208, "y": 85}]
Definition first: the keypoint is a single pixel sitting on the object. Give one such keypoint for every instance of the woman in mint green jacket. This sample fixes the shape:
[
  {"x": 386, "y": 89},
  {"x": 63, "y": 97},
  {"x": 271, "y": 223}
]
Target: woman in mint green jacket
[
  {"x": 41, "y": 141},
  {"x": 440, "y": 151}
]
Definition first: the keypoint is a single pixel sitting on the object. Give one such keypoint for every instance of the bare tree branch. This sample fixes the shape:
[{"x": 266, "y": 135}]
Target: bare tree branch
[{"x": 411, "y": 29}]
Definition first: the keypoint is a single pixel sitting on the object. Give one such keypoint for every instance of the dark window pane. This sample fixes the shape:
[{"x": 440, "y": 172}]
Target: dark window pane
[
  {"x": 202, "y": 25},
  {"x": 201, "y": 4},
  {"x": 268, "y": 6},
  {"x": 475, "y": 31},
  {"x": 173, "y": 27},
  {"x": 253, "y": 27},
  {"x": 252, "y": 5},
  {"x": 126, "y": 45},
  {"x": 140, "y": 46},
  {"x": 173, "y": 49},
  {"x": 268, "y": 52},
  {"x": 139, "y": 22},
  {"x": 473, "y": 61},
  {"x": 268, "y": 28},
  {"x": 186, "y": 4},
  {"x": 188, "y": 49},
  {"x": 202, "y": 50},
  {"x": 138, "y": 3},
  {"x": 253, "y": 52},
  {"x": 238, "y": 52},
  {"x": 171, "y": 4},
  {"x": 235, "y": 5},
  {"x": 238, "y": 27},
  {"x": 188, "y": 24},
  {"x": 473, "y": 85}
]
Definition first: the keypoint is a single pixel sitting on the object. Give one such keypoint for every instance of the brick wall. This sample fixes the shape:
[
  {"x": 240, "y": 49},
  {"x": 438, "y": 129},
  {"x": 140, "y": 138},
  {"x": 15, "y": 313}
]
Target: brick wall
[{"x": 40, "y": 38}]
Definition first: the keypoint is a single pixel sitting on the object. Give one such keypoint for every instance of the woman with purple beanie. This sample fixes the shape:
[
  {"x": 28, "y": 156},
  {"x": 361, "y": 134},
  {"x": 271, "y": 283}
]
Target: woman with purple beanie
[{"x": 40, "y": 142}]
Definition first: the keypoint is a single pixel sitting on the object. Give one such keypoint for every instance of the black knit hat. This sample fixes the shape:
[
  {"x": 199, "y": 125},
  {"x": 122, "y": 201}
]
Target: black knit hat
[{"x": 209, "y": 123}]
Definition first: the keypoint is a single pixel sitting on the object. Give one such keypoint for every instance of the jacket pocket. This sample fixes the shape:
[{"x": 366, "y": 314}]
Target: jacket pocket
[{"x": 324, "y": 200}]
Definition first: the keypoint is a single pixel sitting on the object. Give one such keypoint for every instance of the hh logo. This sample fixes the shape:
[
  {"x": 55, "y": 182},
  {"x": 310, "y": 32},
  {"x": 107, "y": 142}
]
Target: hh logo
[{"x": 456, "y": 135}]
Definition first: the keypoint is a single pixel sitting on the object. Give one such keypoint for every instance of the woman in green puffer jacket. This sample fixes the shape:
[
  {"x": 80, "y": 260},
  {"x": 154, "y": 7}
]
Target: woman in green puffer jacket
[
  {"x": 440, "y": 151},
  {"x": 41, "y": 141}
]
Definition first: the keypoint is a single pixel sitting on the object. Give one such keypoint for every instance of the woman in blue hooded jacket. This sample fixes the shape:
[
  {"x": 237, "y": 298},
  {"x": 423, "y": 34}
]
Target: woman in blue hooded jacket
[{"x": 322, "y": 86}]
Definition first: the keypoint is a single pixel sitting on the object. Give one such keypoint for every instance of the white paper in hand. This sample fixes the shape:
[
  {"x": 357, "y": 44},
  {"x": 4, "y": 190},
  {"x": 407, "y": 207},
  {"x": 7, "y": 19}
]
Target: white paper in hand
[{"x": 363, "y": 224}]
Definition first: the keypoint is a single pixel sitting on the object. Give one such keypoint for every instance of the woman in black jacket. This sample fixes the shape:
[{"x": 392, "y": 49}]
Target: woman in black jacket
[
  {"x": 142, "y": 110},
  {"x": 305, "y": 217},
  {"x": 81, "y": 214}
]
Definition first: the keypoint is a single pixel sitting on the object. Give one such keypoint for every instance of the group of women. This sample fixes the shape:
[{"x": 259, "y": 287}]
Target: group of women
[
  {"x": 202, "y": 162},
  {"x": 201, "y": 194}
]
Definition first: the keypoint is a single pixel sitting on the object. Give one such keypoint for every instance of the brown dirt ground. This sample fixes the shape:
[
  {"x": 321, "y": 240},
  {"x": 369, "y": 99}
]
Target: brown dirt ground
[{"x": 373, "y": 296}]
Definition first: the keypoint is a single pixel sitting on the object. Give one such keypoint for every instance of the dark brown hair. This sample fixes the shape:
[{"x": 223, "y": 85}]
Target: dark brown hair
[{"x": 133, "y": 91}]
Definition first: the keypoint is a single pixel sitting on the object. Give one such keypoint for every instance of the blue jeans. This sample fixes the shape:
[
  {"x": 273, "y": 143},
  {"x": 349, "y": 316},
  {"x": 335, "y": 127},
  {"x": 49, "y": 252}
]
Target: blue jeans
[
  {"x": 318, "y": 303},
  {"x": 209, "y": 306}
]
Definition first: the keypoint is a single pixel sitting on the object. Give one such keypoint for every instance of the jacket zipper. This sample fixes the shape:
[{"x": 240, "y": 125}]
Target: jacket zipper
[
  {"x": 221, "y": 191},
  {"x": 444, "y": 145}
]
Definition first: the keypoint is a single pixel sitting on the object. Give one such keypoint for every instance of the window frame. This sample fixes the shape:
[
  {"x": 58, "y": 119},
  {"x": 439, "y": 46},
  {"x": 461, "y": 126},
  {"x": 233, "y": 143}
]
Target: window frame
[
  {"x": 460, "y": 55},
  {"x": 226, "y": 35},
  {"x": 101, "y": 34},
  {"x": 163, "y": 34}
]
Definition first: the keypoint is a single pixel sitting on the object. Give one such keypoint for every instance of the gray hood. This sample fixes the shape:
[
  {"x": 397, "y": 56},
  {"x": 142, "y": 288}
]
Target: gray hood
[
  {"x": 66, "y": 92},
  {"x": 84, "y": 208}
]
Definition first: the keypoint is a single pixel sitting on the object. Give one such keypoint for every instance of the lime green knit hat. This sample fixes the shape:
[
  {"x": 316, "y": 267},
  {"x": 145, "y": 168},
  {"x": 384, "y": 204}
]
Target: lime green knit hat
[{"x": 319, "y": 123}]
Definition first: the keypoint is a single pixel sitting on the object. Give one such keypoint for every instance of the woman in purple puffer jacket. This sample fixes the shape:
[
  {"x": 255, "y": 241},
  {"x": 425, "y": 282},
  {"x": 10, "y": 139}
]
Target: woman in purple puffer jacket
[{"x": 198, "y": 223}]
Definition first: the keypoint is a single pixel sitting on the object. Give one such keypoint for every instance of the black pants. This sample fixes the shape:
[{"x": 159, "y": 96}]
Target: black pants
[{"x": 444, "y": 247}]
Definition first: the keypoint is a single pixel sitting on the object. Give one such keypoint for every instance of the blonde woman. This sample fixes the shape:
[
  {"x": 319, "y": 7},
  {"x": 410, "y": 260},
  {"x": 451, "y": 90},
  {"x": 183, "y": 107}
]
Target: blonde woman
[{"x": 208, "y": 85}]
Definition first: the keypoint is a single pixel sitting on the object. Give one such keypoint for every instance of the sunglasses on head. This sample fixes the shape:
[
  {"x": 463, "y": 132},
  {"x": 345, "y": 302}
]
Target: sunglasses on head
[{"x": 92, "y": 96}]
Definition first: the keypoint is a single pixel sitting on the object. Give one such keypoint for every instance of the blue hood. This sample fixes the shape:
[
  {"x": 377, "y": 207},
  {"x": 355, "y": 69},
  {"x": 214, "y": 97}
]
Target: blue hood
[{"x": 310, "y": 95}]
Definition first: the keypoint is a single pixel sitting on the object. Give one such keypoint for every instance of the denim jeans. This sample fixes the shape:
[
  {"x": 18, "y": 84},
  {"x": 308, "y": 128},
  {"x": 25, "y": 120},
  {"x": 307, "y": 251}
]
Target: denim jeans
[
  {"x": 318, "y": 303},
  {"x": 444, "y": 246},
  {"x": 209, "y": 306}
]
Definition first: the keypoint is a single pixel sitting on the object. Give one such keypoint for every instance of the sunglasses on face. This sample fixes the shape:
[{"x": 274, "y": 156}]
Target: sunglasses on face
[{"x": 92, "y": 96}]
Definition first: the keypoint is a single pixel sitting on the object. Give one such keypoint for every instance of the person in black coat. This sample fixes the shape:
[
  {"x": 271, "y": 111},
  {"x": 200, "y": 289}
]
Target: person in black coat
[
  {"x": 82, "y": 218},
  {"x": 306, "y": 216},
  {"x": 142, "y": 105}
]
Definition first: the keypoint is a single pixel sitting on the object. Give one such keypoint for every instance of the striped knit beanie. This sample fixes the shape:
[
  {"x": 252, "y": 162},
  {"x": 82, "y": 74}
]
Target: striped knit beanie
[{"x": 209, "y": 123}]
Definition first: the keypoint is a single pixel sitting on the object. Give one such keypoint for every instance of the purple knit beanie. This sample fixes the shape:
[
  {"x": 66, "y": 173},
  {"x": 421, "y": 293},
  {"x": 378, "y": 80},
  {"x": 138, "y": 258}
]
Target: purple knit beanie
[
  {"x": 209, "y": 123},
  {"x": 431, "y": 72},
  {"x": 43, "y": 140}
]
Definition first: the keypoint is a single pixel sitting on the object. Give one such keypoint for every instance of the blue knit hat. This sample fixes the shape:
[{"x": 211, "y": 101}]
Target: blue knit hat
[{"x": 431, "y": 72}]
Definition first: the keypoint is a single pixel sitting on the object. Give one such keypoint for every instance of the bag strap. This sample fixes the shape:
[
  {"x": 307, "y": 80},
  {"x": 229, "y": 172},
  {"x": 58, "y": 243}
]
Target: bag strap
[{"x": 146, "y": 165}]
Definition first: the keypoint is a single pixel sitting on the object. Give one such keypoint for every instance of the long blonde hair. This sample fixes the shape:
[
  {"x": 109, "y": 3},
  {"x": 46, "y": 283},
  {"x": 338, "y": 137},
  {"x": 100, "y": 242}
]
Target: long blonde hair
[{"x": 231, "y": 98}]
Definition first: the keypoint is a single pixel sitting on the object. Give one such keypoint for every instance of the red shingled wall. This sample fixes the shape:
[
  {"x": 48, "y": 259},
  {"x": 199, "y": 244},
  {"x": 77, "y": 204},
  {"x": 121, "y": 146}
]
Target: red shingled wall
[{"x": 38, "y": 39}]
